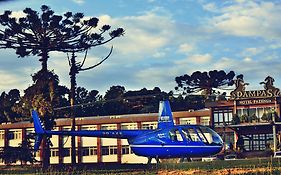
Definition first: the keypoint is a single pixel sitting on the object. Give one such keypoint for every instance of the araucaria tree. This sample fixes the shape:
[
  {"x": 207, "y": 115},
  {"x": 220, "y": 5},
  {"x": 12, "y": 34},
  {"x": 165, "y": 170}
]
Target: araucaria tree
[
  {"x": 38, "y": 34},
  {"x": 41, "y": 33},
  {"x": 204, "y": 82}
]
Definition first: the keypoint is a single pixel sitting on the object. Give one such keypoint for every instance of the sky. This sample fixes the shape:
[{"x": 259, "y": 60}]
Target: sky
[{"x": 163, "y": 39}]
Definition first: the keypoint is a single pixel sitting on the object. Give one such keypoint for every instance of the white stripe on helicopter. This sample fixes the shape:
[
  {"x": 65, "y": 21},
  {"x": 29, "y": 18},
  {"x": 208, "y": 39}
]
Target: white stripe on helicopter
[{"x": 174, "y": 146}]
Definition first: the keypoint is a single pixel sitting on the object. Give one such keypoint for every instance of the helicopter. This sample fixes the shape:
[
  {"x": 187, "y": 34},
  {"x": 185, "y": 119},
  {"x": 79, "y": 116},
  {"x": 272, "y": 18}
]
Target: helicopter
[{"x": 167, "y": 141}]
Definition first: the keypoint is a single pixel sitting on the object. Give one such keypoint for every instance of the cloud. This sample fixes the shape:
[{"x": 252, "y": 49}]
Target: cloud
[
  {"x": 185, "y": 48},
  {"x": 252, "y": 51},
  {"x": 159, "y": 54},
  {"x": 254, "y": 71},
  {"x": 196, "y": 59},
  {"x": 143, "y": 35},
  {"x": 247, "y": 59},
  {"x": 10, "y": 80},
  {"x": 79, "y": 1},
  {"x": 158, "y": 77},
  {"x": 249, "y": 18},
  {"x": 210, "y": 7}
]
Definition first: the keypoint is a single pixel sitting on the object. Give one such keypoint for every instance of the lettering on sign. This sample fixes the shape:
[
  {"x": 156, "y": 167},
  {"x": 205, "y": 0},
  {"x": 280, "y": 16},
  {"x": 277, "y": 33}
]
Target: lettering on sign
[
  {"x": 268, "y": 92},
  {"x": 256, "y": 101}
]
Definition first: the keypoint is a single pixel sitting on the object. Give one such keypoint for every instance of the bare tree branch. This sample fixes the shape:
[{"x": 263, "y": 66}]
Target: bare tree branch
[
  {"x": 83, "y": 62},
  {"x": 91, "y": 67}
]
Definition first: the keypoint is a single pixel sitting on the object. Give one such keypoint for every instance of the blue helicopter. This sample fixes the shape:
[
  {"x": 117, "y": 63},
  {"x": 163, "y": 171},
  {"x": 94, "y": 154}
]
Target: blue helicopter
[{"x": 167, "y": 141}]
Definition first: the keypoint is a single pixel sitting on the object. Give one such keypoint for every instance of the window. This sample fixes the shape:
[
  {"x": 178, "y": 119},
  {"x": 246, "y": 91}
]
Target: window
[
  {"x": 65, "y": 152},
  {"x": 202, "y": 136},
  {"x": 149, "y": 125},
  {"x": 259, "y": 112},
  {"x": 205, "y": 121},
  {"x": 126, "y": 149},
  {"x": 175, "y": 135},
  {"x": 104, "y": 150},
  {"x": 193, "y": 135},
  {"x": 29, "y": 132},
  {"x": 186, "y": 121},
  {"x": 2, "y": 134},
  {"x": 14, "y": 135},
  {"x": 186, "y": 135},
  {"x": 223, "y": 116},
  {"x": 129, "y": 126},
  {"x": 37, "y": 154},
  {"x": 257, "y": 141},
  {"x": 85, "y": 152},
  {"x": 54, "y": 152},
  {"x": 88, "y": 128},
  {"x": 109, "y": 150},
  {"x": 89, "y": 151},
  {"x": 179, "y": 137},
  {"x": 112, "y": 150},
  {"x": 109, "y": 127}
]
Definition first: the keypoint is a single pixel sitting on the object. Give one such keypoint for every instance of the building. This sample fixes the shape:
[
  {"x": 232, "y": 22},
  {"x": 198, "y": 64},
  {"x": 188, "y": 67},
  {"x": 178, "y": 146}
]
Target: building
[
  {"x": 249, "y": 119},
  {"x": 97, "y": 150}
]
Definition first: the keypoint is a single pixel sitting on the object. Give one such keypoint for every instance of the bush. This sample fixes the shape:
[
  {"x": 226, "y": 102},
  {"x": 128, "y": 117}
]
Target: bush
[
  {"x": 235, "y": 120},
  {"x": 244, "y": 118}
]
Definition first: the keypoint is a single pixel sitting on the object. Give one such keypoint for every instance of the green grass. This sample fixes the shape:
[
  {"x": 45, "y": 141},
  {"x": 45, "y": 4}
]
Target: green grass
[
  {"x": 270, "y": 164},
  {"x": 220, "y": 164}
]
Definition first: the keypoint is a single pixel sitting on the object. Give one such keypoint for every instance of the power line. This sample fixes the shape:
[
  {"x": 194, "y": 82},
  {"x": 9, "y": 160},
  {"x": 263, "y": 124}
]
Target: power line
[{"x": 104, "y": 101}]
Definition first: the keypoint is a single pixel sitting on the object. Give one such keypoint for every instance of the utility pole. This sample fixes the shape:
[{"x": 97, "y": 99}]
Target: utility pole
[
  {"x": 72, "y": 103},
  {"x": 274, "y": 130}
]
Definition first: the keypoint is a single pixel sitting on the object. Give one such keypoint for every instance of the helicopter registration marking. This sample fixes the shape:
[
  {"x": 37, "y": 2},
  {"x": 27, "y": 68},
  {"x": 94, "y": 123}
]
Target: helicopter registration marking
[{"x": 112, "y": 133}]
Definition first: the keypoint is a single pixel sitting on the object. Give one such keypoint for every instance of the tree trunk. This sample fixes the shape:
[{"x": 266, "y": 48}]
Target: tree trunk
[
  {"x": 44, "y": 60},
  {"x": 72, "y": 73},
  {"x": 45, "y": 154}
]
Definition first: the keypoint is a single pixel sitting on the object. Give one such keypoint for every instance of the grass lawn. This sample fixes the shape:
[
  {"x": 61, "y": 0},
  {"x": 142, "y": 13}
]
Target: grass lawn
[{"x": 245, "y": 166}]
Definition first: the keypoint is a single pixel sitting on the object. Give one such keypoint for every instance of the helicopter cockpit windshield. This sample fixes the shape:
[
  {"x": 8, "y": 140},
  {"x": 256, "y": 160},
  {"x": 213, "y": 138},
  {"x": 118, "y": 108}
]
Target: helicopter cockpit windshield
[{"x": 201, "y": 134}]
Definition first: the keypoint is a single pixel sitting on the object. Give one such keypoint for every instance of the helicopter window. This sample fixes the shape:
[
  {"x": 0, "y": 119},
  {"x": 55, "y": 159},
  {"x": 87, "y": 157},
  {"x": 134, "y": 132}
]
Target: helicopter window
[
  {"x": 175, "y": 135},
  {"x": 179, "y": 137},
  {"x": 207, "y": 134},
  {"x": 202, "y": 135},
  {"x": 211, "y": 136},
  {"x": 190, "y": 134},
  {"x": 186, "y": 135}
]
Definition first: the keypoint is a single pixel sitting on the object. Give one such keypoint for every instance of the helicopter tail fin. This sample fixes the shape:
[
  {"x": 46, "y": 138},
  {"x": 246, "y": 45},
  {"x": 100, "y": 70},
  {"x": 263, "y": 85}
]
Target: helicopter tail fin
[
  {"x": 165, "y": 117},
  {"x": 39, "y": 130},
  {"x": 38, "y": 126}
]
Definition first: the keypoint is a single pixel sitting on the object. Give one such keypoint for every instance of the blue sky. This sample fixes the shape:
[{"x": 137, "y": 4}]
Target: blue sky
[{"x": 163, "y": 39}]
